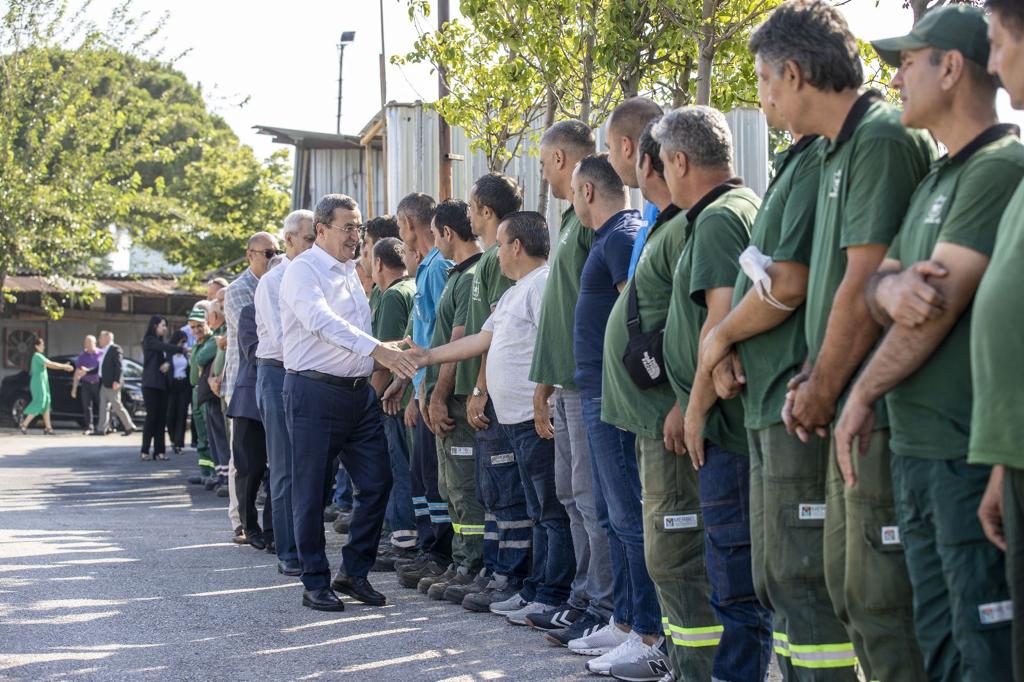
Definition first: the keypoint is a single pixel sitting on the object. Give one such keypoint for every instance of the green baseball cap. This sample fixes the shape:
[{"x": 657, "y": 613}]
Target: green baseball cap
[
  {"x": 951, "y": 27},
  {"x": 197, "y": 313}
]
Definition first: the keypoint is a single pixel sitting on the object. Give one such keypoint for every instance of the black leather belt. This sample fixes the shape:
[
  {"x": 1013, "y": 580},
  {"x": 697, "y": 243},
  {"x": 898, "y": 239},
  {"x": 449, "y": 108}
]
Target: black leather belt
[
  {"x": 347, "y": 382},
  {"x": 271, "y": 362}
]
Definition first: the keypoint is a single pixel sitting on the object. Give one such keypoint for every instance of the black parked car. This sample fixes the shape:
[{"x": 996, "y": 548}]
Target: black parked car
[{"x": 15, "y": 395}]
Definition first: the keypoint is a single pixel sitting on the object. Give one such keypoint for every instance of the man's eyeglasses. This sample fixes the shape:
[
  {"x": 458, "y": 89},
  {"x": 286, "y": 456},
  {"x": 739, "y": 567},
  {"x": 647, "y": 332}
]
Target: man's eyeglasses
[
  {"x": 347, "y": 228},
  {"x": 267, "y": 253}
]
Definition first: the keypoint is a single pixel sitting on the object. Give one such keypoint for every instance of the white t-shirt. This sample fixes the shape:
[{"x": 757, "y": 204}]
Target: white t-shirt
[{"x": 514, "y": 327}]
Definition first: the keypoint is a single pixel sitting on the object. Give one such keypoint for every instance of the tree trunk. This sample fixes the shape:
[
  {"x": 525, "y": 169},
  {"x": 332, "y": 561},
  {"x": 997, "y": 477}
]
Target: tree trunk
[
  {"x": 681, "y": 90},
  {"x": 549, "y": 120},
  {"x": 587, "y": 84},
  {"x": 706, "y": 52}
]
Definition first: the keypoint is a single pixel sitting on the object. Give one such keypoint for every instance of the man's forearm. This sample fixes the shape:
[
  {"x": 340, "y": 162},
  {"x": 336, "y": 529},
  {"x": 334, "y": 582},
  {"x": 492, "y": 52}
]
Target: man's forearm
[
  {"x": 446, "y": 376},
  {"x": 749, "y": 318},
  {"x": 877, "y": 312},
  {"x": 901, "y": 353},
  {"x": 481, "y": 376},
  {"x": 461, "y": 349},
  {"x": 849, "y": 336}
]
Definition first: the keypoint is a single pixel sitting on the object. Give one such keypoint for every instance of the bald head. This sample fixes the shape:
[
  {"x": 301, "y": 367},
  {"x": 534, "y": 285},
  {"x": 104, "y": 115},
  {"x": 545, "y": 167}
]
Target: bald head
[
  {"x": 261, "y": 248},
  {"x": 625, "y": 125}
]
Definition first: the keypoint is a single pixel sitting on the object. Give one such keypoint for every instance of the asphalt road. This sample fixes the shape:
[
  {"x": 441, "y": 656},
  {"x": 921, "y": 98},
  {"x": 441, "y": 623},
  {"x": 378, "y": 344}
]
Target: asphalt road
[{"x": 112, "y": 568}]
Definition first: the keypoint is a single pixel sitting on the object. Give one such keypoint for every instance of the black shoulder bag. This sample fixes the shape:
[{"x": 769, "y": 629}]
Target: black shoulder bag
[{"x": 643, "y": 359}]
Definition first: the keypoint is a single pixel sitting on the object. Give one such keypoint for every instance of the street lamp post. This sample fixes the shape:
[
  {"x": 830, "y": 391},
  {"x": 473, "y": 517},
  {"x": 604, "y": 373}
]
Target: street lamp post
[{"x": 346, "y": 38}]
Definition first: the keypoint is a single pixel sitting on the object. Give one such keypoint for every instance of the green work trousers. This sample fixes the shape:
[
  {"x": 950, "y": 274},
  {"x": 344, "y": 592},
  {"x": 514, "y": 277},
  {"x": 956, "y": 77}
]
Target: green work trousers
[
  {"x": 1013, "y": 526},
  {"x": 787, "y": 518},
  {"x": 456, "y": 483},
  {"x": 865, "y": 571},
  {"x": 206, "y": 464},
  {"x": 961, "y": 599},
  {"x": 674, "y": 553}
]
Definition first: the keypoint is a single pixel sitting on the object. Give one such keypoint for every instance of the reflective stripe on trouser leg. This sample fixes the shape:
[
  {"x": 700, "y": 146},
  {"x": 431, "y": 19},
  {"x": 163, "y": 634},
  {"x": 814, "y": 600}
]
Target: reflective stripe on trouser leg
[
  {"x": 674, "y": 552},
  {"x": 787, "y": 551},
  {"x": 419, "y": 505},
  {"x": 867, "y": 580},
  {"x": 500, "y": 490},
  {"x": 457, "y": 460}
]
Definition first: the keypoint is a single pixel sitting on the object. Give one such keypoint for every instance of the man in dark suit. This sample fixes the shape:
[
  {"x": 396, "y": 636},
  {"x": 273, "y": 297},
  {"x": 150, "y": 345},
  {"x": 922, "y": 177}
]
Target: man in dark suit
[
  {"x": 110, "y": 386},
  {"x": 249, "y": 439}
]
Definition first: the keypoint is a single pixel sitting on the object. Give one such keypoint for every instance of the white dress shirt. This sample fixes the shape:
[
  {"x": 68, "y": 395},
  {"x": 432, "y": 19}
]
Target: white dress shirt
[
  {"x": 325, "y": 317},
  {"x": 268, "y": 312}
]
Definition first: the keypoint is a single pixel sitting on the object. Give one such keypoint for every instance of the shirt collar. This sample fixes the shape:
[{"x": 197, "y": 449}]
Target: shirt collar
[
  {"x": 464, "y": 265},
  {"x": 857, "y": 113},
  {"x": 329, "y": 262},
  {"x": 707, "y": 199},
  {"x": 664, "y": 215},
  {"x": 617, "y": 218},
  {"x": 987, "y": 137}
]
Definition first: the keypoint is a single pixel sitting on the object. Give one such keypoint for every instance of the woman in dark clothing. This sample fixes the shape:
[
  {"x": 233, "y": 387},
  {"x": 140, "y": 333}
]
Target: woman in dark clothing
[
  {"x": 180, "y": 394},
  {"x": 156, "y": 365}
]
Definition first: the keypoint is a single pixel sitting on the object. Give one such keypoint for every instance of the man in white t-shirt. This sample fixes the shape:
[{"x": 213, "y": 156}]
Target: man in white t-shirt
[{"x": 508, "y": 338}]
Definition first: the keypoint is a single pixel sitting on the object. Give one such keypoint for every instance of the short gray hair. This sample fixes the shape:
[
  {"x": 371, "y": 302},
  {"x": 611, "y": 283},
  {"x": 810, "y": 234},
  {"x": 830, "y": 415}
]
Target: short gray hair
[
  {"x": 700, "y": 132},
  {"x": 293, "y": 220},
  {"x": 571, "y": 136},
  {"x": 203, "y": 305}
]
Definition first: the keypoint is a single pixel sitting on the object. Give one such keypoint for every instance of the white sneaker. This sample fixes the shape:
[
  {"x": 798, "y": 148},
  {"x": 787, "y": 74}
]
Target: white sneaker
[
  {"x": 669, "y": 677},
  {"x": 510, "y": 605},
  {"x": 633, "y": 650},
  {"x": 601, "y": 642},
  {"x": 532, "y": 608}
]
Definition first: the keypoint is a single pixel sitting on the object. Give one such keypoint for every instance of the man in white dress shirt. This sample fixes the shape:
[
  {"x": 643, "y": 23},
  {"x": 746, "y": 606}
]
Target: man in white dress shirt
[
  {"x": 298, "y": 238},
  {"x": 330, "y": 406}
]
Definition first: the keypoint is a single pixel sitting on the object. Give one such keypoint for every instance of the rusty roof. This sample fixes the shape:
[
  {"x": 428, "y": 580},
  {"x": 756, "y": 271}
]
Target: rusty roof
[{"x": 144, "y": 286}]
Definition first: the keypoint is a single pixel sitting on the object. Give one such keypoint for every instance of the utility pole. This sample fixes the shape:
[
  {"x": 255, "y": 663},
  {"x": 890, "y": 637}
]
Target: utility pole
[
  {"x": 346, "y": 38},
  {"x": 444, "y": 132},
  {"x": 383, "y": 110}
]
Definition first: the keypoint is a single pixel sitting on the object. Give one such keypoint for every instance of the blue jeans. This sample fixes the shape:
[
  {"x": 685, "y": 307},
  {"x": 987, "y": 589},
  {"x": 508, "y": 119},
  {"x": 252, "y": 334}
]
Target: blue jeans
[
  {"x": 507, "y": 527},
  {"x": 554, "y": 563},
  {"x": 342, "y": 488},
  {"x": 617, "y": 500},
  {"x": 323, "y": 420},
  {"x": 399, "y": 515},
  {"x": 724, "y": 487},
  {"x": 269, "y": 384}
]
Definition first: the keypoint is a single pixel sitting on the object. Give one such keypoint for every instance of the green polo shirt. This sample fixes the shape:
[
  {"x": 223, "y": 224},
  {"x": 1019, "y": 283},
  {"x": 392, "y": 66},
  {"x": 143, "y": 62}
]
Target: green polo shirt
[
  {"x": 488, "y": 286},
  {"x": 783, "y": 230},
  {"x": 623, "y": 404},
  {"x": 720, "y": 231},
  {"x": 997, "y": 335},
  {"x": 868, "y": 174},
  {"x": 960, "y": 202},
  {"x": 375, "y": 295},
  {"x": 553, "y": 359},
  {"x": 390, "y": 315},
  {"x": 452, "y": 311}
]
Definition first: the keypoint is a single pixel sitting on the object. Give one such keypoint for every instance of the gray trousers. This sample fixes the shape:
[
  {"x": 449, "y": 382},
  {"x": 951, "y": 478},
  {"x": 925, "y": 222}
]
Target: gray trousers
[
  {"x": 110, "y": 401},
  {"x": 592, "y": 586}
]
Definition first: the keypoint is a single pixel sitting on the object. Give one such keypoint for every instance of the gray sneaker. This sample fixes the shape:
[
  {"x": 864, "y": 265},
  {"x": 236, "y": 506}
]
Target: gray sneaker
[
  {"x": 531, "y": 609},
  {"x": 497, "y": 590},
  {"x": 649, "y": 666},
  {"x": 507, "y": 606},
  {"x": 456, "y": 593},
  {"x": 426, "y": 581}
]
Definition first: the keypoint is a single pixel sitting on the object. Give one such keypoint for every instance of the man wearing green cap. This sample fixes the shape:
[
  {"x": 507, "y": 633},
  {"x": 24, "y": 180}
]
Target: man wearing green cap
[
  {"x": 201, "y": 332},
  {"x": 922, "y": 366},
  {"x": 870, "y": 168}
]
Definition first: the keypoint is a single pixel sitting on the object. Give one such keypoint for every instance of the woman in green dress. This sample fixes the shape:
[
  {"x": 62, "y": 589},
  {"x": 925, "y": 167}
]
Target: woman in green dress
[{"x": 39, "y": 386}]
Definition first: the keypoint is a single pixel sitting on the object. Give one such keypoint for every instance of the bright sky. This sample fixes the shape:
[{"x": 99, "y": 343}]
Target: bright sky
[{"x": 283, "y": 57}]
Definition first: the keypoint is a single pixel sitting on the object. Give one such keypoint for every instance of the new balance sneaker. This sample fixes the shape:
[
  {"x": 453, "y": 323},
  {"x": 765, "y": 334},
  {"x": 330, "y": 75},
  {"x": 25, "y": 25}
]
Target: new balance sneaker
[
  {"x": 554, "y": 618},
  {"x": 411, "y": 575},
  {"x": 462, "y": 577},
  {"x": 456, "y": 593},
  {"x": 599, "y": 642},
  {"x": 630, "y": 653},
  {"x": 499, "y": 589},
  {"x": 585, "y": 625},
  {"x": 519, "y": 617},
  {"x": 426, "y": 581},
  {"x": 668, "y": 677},
  {"x": 650, "y": 665}
]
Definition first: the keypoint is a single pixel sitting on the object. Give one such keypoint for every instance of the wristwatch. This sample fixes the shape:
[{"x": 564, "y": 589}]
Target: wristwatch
[{"x": 477, "y": 392}]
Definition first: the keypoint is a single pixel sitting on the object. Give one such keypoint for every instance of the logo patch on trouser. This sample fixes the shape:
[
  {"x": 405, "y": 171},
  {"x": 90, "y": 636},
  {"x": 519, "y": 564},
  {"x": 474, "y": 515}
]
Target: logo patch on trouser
[{"x": 811, "y": 511}]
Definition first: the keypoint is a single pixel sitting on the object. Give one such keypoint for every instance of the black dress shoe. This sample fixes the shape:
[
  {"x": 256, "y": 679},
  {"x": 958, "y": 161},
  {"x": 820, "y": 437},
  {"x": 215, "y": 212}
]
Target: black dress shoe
[
  {"x": 271, "y": 547},
  {"x": 322, "y": 600},
  {"x": 359, "y": 589},
  {"x": 289, "y": 568},
  {"x": 256, "y": 540}
]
